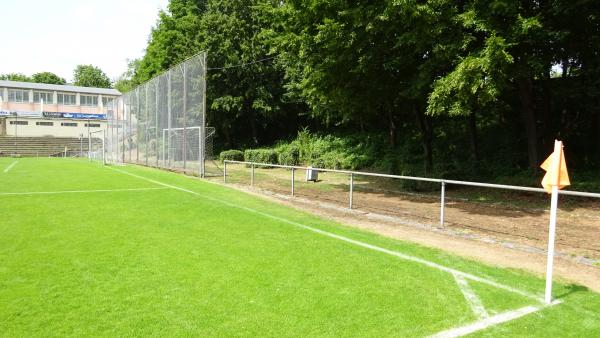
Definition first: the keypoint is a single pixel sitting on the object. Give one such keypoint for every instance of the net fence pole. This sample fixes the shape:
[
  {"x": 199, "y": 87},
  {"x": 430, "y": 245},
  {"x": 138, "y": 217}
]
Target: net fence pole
[
  {"x": 200, "y": 153},
  {"x": 122, "y": 128},
  {"x": 169, "y": 101},
  {"x": 104, "y": 147},
  {"x": 252, "y": 175},
  {"x": 146, "y": 126},
  {"x": 225, "y": 171},
  {"x": 116, "y": 126},
  {"x": 164, "y": 146},
  {"x": 203, "y": 125},
  {"x": 137, "y": 128},
  {"x": 184, "y": 117},
  {"x": 89, "y": 141},
  {"x": 156, "y": 86},
  {"x": 129, "y": 136}
]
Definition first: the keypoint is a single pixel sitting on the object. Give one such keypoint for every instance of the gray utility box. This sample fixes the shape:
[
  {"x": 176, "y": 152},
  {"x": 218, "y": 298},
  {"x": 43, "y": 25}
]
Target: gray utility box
[{"x": 312, "y": 174}]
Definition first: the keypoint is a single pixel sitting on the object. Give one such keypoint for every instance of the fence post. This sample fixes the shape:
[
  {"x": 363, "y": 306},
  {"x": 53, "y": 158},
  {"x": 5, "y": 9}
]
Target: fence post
[
  {"x": 293, "y": 179},
  {"x": 225, "y": 171},
  {"x": 104, "y": 147},
  {"x": 351, "y": 189},
  {"x": 252, "y": 175},
  {"x": 442, "y": 203}
]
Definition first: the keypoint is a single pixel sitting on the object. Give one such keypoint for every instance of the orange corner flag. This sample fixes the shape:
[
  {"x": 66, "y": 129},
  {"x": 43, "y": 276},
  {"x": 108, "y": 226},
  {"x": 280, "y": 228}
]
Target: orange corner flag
[{"x": 556, "y": 169}]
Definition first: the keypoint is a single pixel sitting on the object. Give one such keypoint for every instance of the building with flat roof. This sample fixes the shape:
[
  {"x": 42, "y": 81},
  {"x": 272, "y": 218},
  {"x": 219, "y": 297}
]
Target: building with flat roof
[{"x": 40, "y": 110}]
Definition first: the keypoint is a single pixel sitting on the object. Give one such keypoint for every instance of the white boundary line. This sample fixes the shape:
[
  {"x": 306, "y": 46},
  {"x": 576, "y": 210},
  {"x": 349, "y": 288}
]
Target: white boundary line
[
  {"x": 346, "y": 239},
  {"x": 74, "y": 191},
  {"x": 471, "y": 297},
  {"x": 490, "y": 321},
  {"x": 10, "y": 167}
]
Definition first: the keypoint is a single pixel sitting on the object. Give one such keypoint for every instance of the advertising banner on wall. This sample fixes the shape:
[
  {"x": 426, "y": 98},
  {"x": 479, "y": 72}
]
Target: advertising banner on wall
[
  {"x": 84, "y": 116},
  {"x": 4, "y": 113}
]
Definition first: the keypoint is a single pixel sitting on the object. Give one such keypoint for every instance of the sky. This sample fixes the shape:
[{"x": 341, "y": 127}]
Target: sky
[{"x": 58, "y": 35}]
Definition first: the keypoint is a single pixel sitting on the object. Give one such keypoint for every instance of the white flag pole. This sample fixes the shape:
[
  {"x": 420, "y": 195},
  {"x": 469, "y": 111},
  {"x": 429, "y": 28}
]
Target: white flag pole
[
  {"x": 554, "y": 172},
  {"x": 552, "y": 234}
]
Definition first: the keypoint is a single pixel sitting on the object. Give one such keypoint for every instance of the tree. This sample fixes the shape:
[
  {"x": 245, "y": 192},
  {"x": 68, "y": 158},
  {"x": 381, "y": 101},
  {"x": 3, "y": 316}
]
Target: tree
[
  {"x": 433, "y": 75},
  {"x": 126, "y": 81},
  {"x": 244, "y": 97},
  {"x": 90, "y": 76},
  {"x": 15, "y": 77},
  {"x": 246, "y": 89},
  {"x": 173, "y": 39},
  {"x": 366, "y": 65},
  {"x": 47, "y": 77}
]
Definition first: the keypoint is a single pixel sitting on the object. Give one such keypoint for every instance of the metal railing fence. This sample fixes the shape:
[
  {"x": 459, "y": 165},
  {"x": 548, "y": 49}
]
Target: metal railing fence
[{"x": 351, "y": 175}]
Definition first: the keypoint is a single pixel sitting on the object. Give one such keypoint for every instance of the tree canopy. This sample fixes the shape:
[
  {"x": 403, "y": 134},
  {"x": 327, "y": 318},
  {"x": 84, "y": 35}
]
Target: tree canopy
[
  {"x": 47, "y": 77},
  {"x": 454, "y": 85},
  {"x": 15, "y": 77},
  {"x": 90, "y": 76}
]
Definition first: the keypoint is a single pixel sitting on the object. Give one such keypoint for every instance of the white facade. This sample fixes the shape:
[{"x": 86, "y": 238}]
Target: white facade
[
  {"x": 41, "y": 127},
  {"x": 41, "y": 110}
]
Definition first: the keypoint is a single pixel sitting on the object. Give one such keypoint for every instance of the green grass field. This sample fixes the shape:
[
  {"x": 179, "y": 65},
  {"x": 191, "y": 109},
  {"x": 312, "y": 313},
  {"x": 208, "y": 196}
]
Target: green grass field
[{"x": 87, "y": 250}]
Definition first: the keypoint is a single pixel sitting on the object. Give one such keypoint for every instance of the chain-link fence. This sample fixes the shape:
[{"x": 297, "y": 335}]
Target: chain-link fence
[{"x": 162, "y": 123}]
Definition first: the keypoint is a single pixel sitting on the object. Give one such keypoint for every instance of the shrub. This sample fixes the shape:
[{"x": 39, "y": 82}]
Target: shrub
[
  {"x": 231, "y": 155},
  {"x": 261, "y": 156},
  {"x": 288, "y": 154}
]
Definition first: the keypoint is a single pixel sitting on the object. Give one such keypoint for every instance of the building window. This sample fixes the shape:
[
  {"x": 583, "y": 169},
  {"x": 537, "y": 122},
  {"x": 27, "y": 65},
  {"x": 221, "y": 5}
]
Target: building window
[
  {"x": 47, "y": 97},
  {"x": 17, "y": 95},
  {"x": 67, "y": 99},
  {"x": 88, "y": 100},
  {"x": 93, "y": 125},
  {"x": 20, "y": 123},
  {"x": 106, "y": 100},
  {"x": 48, "y": 124},
  {"x": 68, "y": 124}
]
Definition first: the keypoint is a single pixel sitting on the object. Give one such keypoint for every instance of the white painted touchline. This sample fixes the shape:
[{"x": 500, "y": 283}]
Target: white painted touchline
[
  {"x": 346, "y": 239},
  {"x": 10, "y": 166},
  {"x": 74, "y": 191},
  {"x": 471, "y": 297},
  {"x": 491, "y": 321}
]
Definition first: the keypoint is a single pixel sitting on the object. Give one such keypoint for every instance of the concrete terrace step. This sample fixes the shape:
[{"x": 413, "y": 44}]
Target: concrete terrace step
[{"x": 42, "y": 146}]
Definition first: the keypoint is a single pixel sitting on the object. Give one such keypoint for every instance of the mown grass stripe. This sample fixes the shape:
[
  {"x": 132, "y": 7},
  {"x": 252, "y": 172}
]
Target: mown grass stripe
[
  {"x": 74, "y": 191},
  {"x": 345, "y": 239}
]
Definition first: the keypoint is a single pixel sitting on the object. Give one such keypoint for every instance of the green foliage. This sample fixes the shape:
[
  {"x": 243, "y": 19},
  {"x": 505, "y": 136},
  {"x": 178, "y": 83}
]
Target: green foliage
[
  {"x": 47, "y": 77},
  {"x": 173, "y": 39},
  {"x": 126, "y": 81},
  {"x": 231, "y": 155},
  {"x": 468, "y": 90},
  {"x": 260, "y": 156},
  {"x": 474, "y": 83},
  {"x": 43, "y": 77},
  {"x": 288, "y": 154},
  {"x": 90, "y": 76},
  {"x": 15, "y": 77}
]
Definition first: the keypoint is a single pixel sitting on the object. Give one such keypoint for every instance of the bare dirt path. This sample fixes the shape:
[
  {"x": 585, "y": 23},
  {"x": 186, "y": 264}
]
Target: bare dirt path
[{"x": 513, "y": 239}]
